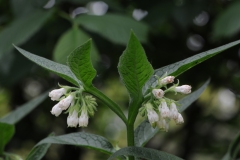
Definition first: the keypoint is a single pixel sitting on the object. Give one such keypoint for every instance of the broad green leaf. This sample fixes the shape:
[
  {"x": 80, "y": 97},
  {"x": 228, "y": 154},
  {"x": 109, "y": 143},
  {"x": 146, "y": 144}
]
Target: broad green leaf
[
  {"x": 16, "y": 115},
  {"x": 146, "y": 153},
  {"x": 21, "y": 29},
  {"x": 81, "y": 139},
  {"x": 233, "y": 149},
  {"x": 80, "y": 63},
  {"x": 70, "y": 40},
  {"x": 114, "y": 27},
  {"x": 134, "y": 70},
  {"x": 180, "y": 67},
  {"x": 227, "y": 23},
  {"x": 11, "y": 156},
  {"x": 59, "y": 69},
  {"x": 6, "y": 133},
  {"x": 144, "y": 132}
]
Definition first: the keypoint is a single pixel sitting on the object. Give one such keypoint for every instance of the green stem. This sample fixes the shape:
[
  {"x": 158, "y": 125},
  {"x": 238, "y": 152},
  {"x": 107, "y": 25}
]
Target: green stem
[
  {"x": 130, "y": 137},
  {"x": 112, "y": 105}
]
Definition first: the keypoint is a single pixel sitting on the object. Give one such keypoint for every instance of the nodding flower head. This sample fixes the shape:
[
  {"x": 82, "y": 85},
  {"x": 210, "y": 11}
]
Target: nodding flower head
[
  {"x": 83, "y": 119},
  {"x": 185, "y": 89},
  {"x": 72, "y": 119},
  {"x": 163, "y": 124},
  {"x": 66, "y": 102},
  {"x": 166, "y": 80},
  {"x": 57, "y": 93},
  {"x": 158, "y": 93},
  {"x": 179, "y": 119},
  {"x": 56, "y": 110},
  {"x": 152, "y": 115},
  {"x": 173, "y": 111},
  {"x": 164, "y": 110}
]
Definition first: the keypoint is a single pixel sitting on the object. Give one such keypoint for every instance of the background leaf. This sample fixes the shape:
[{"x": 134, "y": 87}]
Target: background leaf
[
  {"x": 146, "y": 153},
  {"x": 144, "y": 132},
  {"x": 114, "y": 27},
  {"x": 134, "y": 70},
  {"x": 180, "y": 67},
  {"x": 59, "y": 69},
  {"x": 233, "y": 149},
  {"x": 11, "y": 156},
  {"x": 81, "y": 139},
  {"x": 80, "y": 63},
  {"x": 16, "y": 115},
  {"x": 6, "y": 133},
  {"x": 69, "y": 41}
]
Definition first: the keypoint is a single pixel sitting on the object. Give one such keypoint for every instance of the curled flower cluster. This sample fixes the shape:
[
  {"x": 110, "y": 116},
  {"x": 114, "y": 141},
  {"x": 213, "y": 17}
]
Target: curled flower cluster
[
  {"x": 78, "y": 105},
  {"x": 160, "y": 110}
]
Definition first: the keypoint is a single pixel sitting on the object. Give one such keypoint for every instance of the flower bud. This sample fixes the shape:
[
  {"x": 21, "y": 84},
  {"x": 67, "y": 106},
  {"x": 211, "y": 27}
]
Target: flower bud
[
  {"x": 57, "y": 93},
  {"x": 152, "y": 116},
  {"x": 179, "y": 119},
  {"x": 158, "y": 93},
  {"x": 56, "y": 110},
  {"x": 163, "y": 124},
  {"x": 83, "y": 119},
  {"x": 185, "y": 89},
  {"x": 65, "y": 103},
  {"x": 173, "y": 111},
  {"x": 164, "y": 110},
  {"x": 166, "y": 80},
  {"x": 72, "y": 119}
]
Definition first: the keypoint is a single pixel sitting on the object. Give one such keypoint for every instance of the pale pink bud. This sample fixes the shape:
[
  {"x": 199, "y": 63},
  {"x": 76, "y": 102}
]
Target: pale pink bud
[
  {"x": 57, "y": 93},
  {"x": 65, "y": 103},
  {"x": 167, "y": 80},
  {"x": 83, "y": 119},
  {"x": 164, "y": 110},
  {"x": 179, "y": 119},
  {"x": 158, "y": 93},
  {"x": 72, "y": 119},
  {"x": 185, "y": 89},
  {"x": 152, "y": 116},
  {"x": 56, "y": 110},
  {"x": 173, "y": 111}
]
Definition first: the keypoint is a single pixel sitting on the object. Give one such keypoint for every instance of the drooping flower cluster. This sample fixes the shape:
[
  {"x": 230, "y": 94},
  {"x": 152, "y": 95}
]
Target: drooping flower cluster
[
  {"x": 160, "y": 110},
  {"x": 79, "y": 106}
]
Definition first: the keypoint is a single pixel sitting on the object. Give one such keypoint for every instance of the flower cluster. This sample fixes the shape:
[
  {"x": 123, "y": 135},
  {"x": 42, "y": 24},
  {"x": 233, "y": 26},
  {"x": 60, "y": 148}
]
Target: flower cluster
[
  {"x": 78, "y": 105},
  {"x": 159, "y": 109}
]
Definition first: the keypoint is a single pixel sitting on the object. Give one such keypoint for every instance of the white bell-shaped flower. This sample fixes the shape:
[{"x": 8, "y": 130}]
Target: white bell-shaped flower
[
  {"x": 152, "y": 115},
  {"x": 72, "y": 119},
  {"x": 158, "y": 93},
  {"x": 83, "y": 119},
  {"x": 57, "y": 93},
  {"x": 164, "y": 110},
  {"x": 56, "y": 110},
  {"x": 179, "y": 119},
  {"x": 166, "y": 80},
  {"x": 185, "y": 89},
  {"x": 163, "y": 124},
  {"x": 173, "y": 111},
  {"x": 66, "y": 102}
]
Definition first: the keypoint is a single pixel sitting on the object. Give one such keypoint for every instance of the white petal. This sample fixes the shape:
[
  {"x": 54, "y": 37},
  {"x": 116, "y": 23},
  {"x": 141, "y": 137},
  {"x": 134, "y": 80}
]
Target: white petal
[
  {"x": 158, "y": 93},
  {"x": 66, "y": 102},
  {"x": 83, "y": 119},
  {"x": 56, "y": 110},
  {"x": 57, "y": 93}
]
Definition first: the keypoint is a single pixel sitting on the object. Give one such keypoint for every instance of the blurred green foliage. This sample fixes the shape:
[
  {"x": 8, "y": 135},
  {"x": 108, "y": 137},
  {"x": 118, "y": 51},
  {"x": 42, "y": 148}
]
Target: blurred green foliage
[{"x": 170, "y": 31}]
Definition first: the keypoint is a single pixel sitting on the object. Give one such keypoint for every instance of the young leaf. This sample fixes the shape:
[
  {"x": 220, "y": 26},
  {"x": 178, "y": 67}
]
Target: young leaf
[
  {"x": 178, "y": 68},
  {"x": 144, "y": 132},
  {"x": 6, "y": 133},
  {"x": 113, "y": 27},
  {"x": 81, "y": 139},
  {"x": 233, "y": 149},
  {"x": 70, "y": 40},
  {"x": 16, "y": 115},
  {"x": 80, "y": 63},
  {"x": 134, "y": 70},
  {"x": 146, "y": 153},
  {"x": 59, "y": 69}
]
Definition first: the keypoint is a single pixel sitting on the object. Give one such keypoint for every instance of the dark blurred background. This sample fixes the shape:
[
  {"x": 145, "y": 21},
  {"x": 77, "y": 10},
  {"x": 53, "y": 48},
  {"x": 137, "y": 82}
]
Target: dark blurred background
[{"x": 169, "y": 31}]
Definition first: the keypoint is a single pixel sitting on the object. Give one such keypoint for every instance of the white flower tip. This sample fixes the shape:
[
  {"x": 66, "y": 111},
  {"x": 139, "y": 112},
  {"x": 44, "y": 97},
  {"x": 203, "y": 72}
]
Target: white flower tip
[
  {"x": 167, "y": 80},
  {"x": 179, "y": 119},
  {"x": 164, "y": 110},
  {"x": 72, "y": 119},
  {"x": 158, "y": 93},
  {"x": 56, "y": 110},
  {"x": 185, "y": 89},
  {"x": 66, "y": 102},
  {"x": 83, "y": 119},
  {"x": 56, "y": 94},
  {"x": 152, "y": 116},
  {"x": 163, "y": 124}
]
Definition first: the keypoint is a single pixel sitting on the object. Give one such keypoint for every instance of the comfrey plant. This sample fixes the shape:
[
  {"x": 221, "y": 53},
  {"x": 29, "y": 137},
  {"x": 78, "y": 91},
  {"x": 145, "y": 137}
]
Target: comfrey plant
[{"x": 147, "y": 90}]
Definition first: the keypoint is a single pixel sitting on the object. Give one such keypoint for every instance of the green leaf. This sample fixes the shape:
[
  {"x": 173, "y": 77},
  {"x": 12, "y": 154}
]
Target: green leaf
[
  {"x": 134, "y": 70},
  {"x": 70, "y": 40},
  {"x": 59, "y": 69},
  {"x": 81, "y": 139},
  {"x": 146, "y": 153},
  {"x": 180, "y": 67},
  {"x": 144, "y": 132},
  {"x": 11, "y": 156},
  {"x": 233, "y": 149},
  {"x": 227, "y": 24},
  {"x": 6, "y": 133},
  {"x": 80, "y": 63},
  {"x": 16, "y": 115},
  {"x": 113, "y": 27},
  {"x": 21, "y": 29}
]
